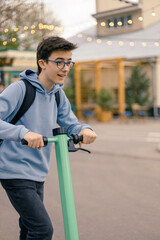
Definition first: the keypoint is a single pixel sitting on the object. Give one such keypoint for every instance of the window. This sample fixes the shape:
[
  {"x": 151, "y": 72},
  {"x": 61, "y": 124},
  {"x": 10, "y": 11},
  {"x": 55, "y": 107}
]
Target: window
[
  {"x": 119, "y": 22},
  {"x": 110, "y": 23},
  {"x": 129, "y": 20}
]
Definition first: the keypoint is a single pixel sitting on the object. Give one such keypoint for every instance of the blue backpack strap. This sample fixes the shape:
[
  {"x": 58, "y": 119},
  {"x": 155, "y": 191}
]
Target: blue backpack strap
[{"x": 27, "y": 101}]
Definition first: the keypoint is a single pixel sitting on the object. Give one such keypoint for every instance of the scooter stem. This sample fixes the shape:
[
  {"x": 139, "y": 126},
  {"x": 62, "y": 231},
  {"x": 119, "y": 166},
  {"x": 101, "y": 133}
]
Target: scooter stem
[{"x": 65, "y": 184}]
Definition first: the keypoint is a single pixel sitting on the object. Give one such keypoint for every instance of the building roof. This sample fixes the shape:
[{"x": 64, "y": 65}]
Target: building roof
[
  {"x": 146, "y": 45},
  {"x": 118, "y": 11},
  {"x": 16, "y": 53},
  {"x": 17, "y": 60}
]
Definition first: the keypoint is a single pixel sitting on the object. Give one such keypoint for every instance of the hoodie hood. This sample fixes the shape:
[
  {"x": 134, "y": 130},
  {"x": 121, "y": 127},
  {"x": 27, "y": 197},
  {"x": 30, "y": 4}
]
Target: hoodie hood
[{"x": 32, "y": 77}]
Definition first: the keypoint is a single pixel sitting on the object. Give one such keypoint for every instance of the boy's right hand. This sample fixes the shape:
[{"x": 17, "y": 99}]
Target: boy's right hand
[{"x": 34, "y": 140}]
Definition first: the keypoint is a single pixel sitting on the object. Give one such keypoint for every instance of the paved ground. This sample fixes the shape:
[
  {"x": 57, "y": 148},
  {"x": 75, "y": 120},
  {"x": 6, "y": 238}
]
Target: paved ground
[{"x": 116, "y": 188}]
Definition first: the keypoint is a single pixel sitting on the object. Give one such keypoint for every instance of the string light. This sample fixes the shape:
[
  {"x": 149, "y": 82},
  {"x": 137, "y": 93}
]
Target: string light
[
  {"x": 16, "y": 29},
  {"x": 153, "y": 13},
  {"x": 25, "y": 28},
  {"x": 89, "y": 39},
  {"x": 14, "y": 39},
  {"x": 33, "y": 31},
  {"x": 119, "y": 23},
  {"x": 56, "y": 28},
  {"x": 130, "y": 21},
  {"x": 111, "y": 24},
  {"x": 140, "y": 18},
  {"x": 5, "y": 43},
  {"x": 121, "y": 43},
  {"x": 131, "y": 44},
  {"x": 44, "y": 26},
  {"x": 33, "y": 27},
  {"x": 80, "y": 35},
  {"x": 103, "y": 24},
  {"x": 144, "y": 44},
  {"x": 99, "y": 40},
  {"x": 156, "y": 44},
  {"x": 40, "y": 25},
  {"x": 109, "y": 42},
  {"x": 51, "y": 27}
]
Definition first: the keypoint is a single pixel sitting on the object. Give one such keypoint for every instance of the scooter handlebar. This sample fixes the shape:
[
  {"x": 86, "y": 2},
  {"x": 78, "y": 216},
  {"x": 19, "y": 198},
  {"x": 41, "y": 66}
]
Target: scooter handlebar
[
  {"x": 45, "y": 140},
  {"x": 76, "y": 139}
]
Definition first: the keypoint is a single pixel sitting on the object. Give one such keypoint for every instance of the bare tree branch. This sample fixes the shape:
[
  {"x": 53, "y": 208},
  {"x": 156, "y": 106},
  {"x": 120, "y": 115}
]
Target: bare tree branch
[{"x": 20, "y": 13}]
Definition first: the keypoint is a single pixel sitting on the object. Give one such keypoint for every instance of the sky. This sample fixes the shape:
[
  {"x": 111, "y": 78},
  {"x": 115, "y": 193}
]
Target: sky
[{"x": 74, "y": 15}]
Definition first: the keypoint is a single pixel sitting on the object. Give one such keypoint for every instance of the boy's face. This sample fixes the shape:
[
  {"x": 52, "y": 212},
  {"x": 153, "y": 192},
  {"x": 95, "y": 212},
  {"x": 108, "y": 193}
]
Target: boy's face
[{"x": 51, "y": 72}]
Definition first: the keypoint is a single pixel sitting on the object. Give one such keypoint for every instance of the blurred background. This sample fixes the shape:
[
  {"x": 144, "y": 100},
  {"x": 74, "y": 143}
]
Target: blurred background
[
  {"x": 115, "y": 86},
  {"x": 117, "y": 71}
]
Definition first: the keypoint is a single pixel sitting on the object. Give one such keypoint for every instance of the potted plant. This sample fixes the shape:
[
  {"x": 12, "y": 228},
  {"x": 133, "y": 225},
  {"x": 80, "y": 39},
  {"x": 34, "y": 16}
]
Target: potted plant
[
  {"x": 137, "y": 89},
  {"x": 104, "y": 99}
]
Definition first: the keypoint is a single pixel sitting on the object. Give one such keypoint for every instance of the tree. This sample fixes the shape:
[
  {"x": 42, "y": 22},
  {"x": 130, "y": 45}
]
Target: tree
[
  {"x": 137, "y": 88},
  {"x": 70, "y": 89},
  {"x": 105, "y": 100},
  {"x": 23, "y": 23}
]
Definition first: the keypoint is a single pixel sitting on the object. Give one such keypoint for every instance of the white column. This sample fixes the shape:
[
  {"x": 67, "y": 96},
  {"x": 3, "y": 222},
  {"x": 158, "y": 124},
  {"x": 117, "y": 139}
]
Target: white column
[{"x": 158, "y": 82}]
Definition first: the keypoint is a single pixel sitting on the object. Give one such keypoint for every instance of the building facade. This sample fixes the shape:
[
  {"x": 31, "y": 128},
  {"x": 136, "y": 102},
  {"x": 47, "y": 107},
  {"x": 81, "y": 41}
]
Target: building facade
[
  {"x": 126, "y": 35},
  {"x": 12, "y": 62}
]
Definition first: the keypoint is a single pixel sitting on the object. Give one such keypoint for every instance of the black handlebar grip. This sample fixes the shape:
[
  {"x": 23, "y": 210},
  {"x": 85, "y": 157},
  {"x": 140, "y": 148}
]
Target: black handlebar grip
[
  {"x": 24, "y": 142},
  {"x": 76, "y": 138},
  {"x": 45, "y": 140},
  {"x": 81, "y": 138}
]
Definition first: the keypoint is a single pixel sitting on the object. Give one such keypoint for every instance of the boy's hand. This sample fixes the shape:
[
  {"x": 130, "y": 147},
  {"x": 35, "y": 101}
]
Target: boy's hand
[
  {"x": 89, "y": 136},
  {"x": 34, "y": 140}
]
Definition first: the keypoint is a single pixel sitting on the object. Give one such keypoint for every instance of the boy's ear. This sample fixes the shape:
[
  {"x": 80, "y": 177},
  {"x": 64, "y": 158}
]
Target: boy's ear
[{"x": 42, "y": 63}]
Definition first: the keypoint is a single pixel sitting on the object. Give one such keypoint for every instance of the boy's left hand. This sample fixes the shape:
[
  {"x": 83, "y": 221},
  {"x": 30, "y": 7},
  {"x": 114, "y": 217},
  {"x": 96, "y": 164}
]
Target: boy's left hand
[{"x": 89, "y": 136}]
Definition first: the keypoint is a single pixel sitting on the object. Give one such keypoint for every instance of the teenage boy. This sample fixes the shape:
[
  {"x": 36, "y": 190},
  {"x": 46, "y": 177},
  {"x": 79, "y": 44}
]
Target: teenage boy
[{"x": 23, "y": 169}]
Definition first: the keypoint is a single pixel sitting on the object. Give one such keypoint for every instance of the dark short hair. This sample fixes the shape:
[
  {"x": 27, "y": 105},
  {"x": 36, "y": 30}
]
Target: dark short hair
[{"x": 51, "y": 44}]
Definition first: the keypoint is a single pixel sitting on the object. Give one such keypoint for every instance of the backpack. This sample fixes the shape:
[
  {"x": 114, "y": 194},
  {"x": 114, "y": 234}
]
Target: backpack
[{"x": 28, "y": 100}]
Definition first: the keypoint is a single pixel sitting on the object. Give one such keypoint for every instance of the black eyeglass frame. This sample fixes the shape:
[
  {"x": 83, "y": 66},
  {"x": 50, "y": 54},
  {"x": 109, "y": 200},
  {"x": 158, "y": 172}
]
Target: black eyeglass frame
[{"x": 64, "y": 63}]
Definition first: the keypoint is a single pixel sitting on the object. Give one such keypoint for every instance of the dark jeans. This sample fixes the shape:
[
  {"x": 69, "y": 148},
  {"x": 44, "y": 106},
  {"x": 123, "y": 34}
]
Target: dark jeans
[{"x": 27, "y": 198}]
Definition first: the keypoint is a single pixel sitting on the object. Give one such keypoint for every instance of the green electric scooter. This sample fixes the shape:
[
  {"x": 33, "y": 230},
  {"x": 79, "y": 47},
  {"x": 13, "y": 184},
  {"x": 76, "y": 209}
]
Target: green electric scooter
[{"x": 63, "y": 145}]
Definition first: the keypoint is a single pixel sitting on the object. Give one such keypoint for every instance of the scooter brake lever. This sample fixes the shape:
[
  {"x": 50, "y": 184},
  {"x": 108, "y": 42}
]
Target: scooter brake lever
[{"x": 72, "y": 141}]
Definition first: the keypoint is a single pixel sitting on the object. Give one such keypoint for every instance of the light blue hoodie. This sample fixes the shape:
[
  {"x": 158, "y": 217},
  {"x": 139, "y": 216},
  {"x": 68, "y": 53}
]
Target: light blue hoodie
[{"x": 18, "y": 161}]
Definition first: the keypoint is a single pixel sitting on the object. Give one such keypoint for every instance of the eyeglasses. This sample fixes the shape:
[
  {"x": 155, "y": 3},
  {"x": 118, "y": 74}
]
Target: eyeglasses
[{"x": 61, "y": 64}]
